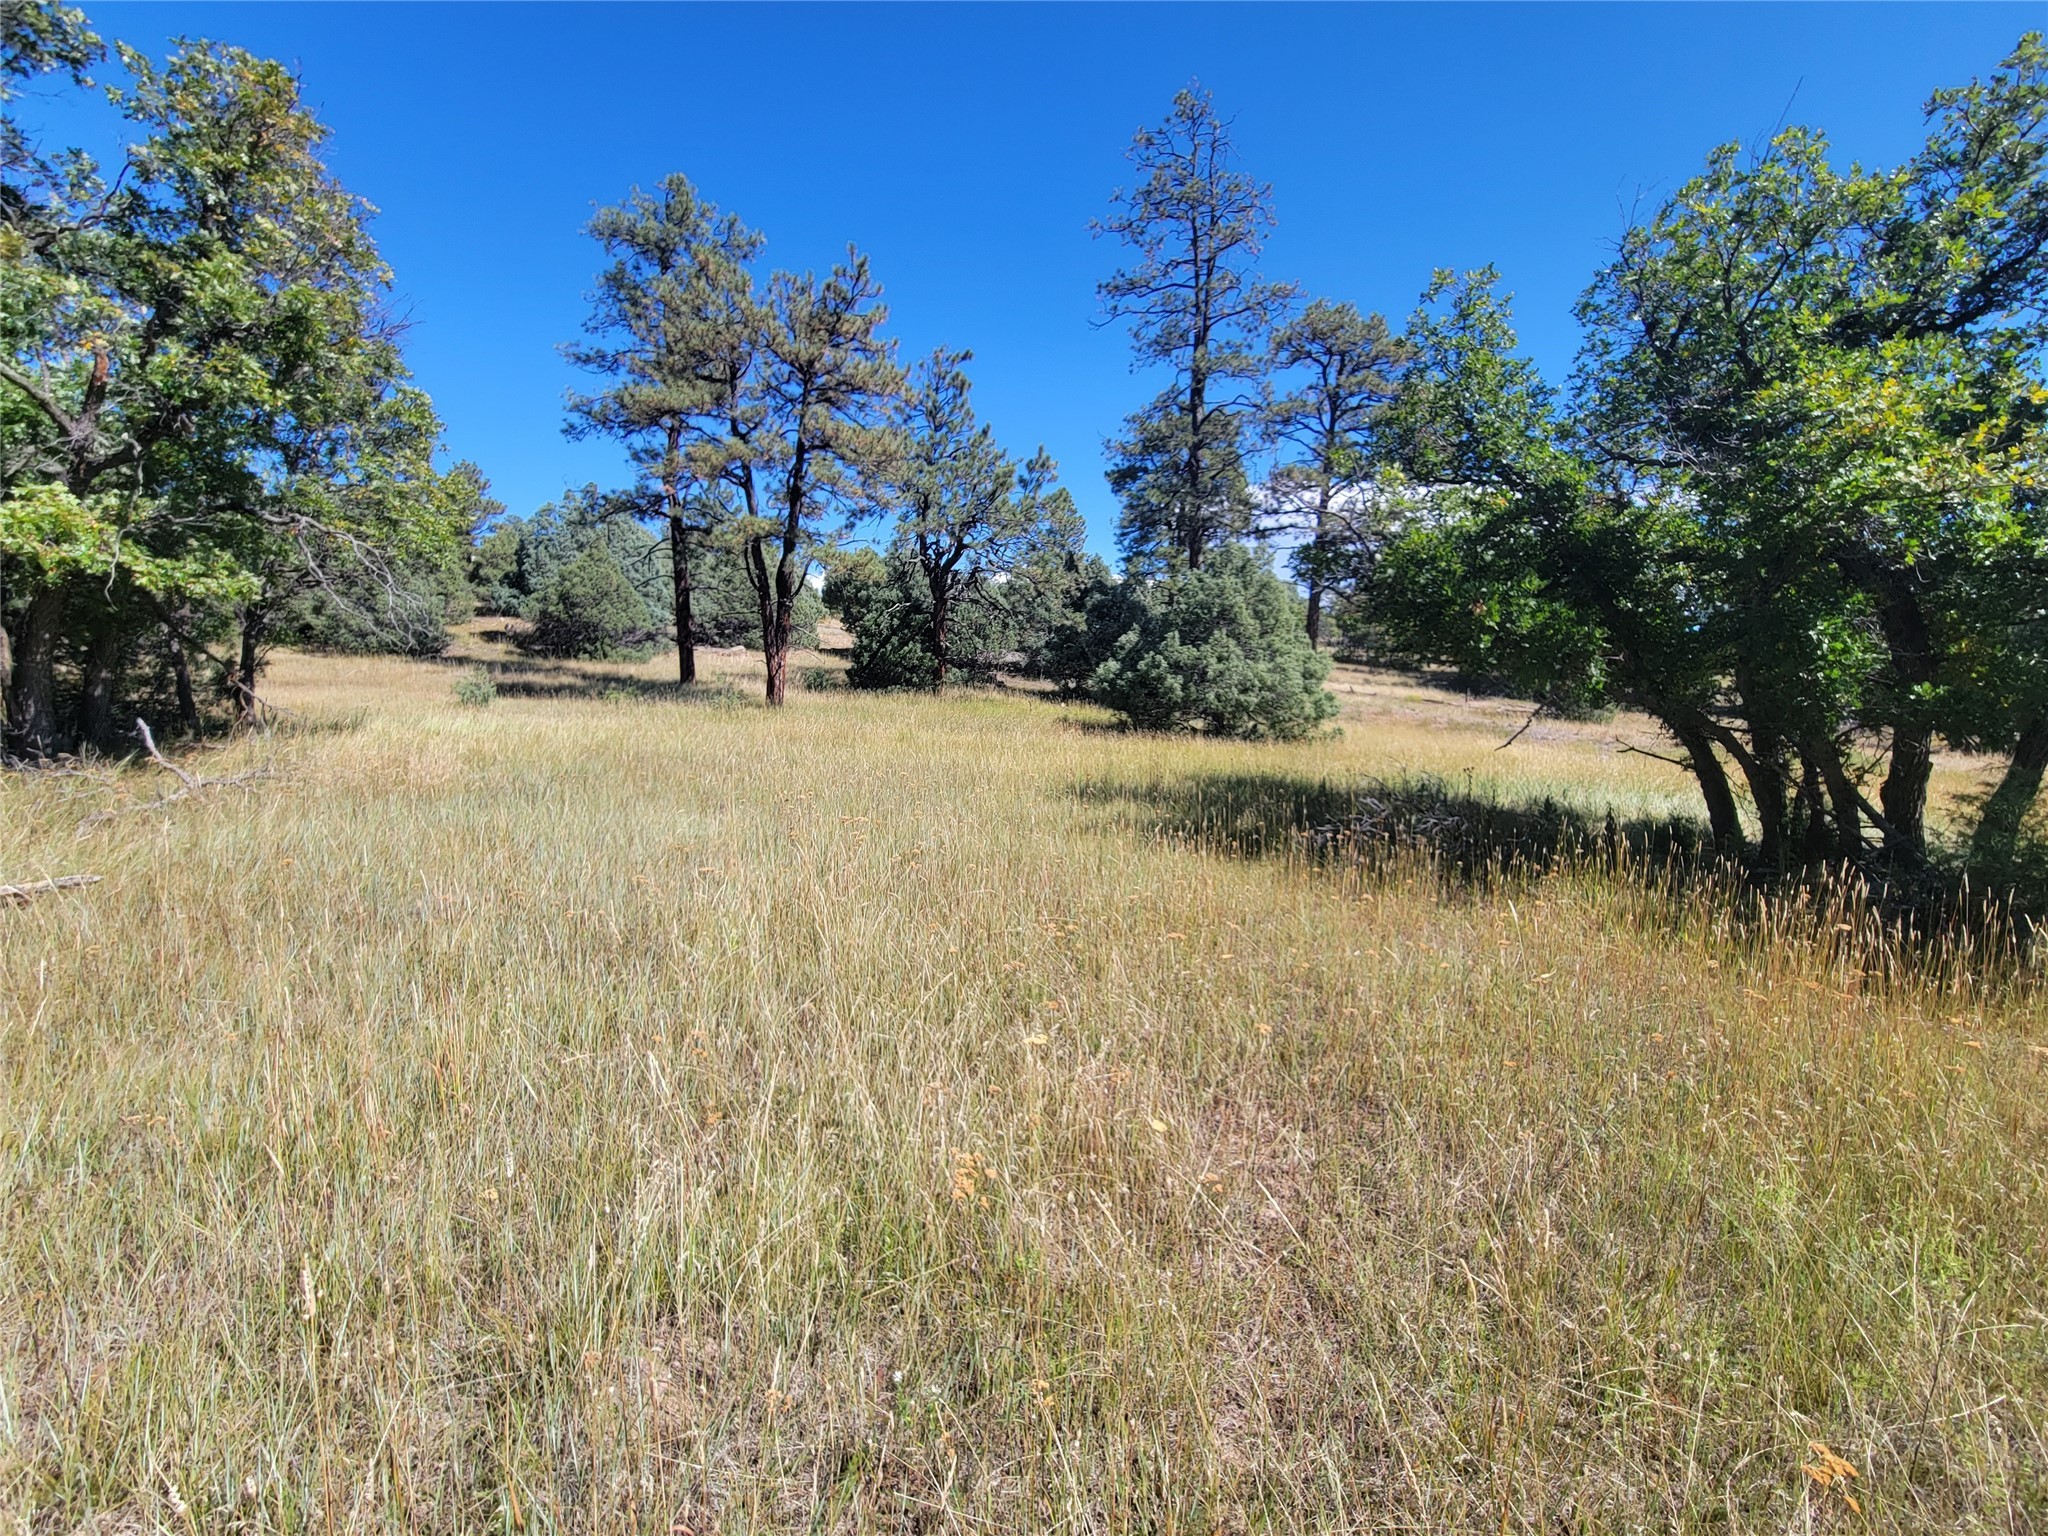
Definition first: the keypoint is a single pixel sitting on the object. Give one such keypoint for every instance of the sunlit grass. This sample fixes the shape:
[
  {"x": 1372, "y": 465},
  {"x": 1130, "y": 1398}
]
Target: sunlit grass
[{"x": 614, "y": 1112}]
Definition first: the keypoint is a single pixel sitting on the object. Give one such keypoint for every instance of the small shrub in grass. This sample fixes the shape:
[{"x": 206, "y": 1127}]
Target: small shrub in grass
[
  {"x": 475, "y": 688},
  {"x": 1223, "y": 648},
  {"x": 588, "y": 609}
]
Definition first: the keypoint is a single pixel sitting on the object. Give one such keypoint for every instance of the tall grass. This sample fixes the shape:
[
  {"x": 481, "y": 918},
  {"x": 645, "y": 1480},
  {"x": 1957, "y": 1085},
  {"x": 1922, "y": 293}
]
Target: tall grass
[{"x": 619, "y": 1110}]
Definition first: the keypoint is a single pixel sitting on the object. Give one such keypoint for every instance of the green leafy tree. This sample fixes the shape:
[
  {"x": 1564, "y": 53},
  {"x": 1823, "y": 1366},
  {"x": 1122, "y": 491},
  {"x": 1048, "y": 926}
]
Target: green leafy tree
[
  {"x": 198, "y": 389},
  {"x": 1198, "y": 308},
  {"x": 1841, "y": 372},
  {"x": 1521, "y": 564},
  {"x": 1222, "y": 648}
]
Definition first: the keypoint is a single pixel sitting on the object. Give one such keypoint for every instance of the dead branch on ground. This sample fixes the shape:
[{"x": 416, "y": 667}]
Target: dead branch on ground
[
  {"x": 45, "y": 887},
  {"x": 192, "y": 784}
]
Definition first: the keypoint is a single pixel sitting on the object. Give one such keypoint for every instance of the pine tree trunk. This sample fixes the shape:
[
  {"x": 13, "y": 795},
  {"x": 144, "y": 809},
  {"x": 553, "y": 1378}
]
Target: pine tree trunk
[
  {"x": 779, "y": 616},
  {"x": 778, "y": 659},
  {"x": 940, "y": 615},
  {"x": 181, "y": 677},
  {"x": 1996, "y": 839},
  {"x": 32, "y": 711},
  {"x": 1319, "y": 547},
  {"x": 764, "y": 597},
  {"x": 679, "y": 573}
]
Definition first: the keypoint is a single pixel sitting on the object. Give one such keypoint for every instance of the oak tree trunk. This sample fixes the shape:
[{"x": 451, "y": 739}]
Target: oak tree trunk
[
  {"x": 101, "y": 696},
  {"x": 1996, "y": 839},
  {"x": 1724, "y": 819},
  {"x": 6, "y": 655},
  {"x": 248, "y": 708},
  {"x": 32, "y": 710},
  {"x": 181, "y": 678},
  {"x": 1847, "y": 809},
  {"x": 1904, "y": 791}
]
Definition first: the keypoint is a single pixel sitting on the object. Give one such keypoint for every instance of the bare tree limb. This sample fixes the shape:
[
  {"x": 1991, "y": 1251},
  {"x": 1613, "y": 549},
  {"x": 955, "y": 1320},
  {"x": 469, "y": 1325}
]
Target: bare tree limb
[
  {"x": 149, "y": 744},
  {"x": 45, "y": 887},
  {"x": 1519, "y": 729},
  {"x": 192, "y": 785},
  {"x": 1676, "y": 762}
]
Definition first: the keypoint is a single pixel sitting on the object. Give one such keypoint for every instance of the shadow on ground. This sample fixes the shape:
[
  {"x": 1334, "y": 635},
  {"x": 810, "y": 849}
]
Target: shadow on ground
[
  {"x": 522, "y": 678},
  {"x": 1934, "y": 921},
  {"x": 1471, "y": 839}
]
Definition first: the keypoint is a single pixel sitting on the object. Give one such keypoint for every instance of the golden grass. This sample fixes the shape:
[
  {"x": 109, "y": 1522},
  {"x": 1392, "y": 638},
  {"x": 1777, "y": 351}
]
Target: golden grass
[{"x": 632, "y": 1113}]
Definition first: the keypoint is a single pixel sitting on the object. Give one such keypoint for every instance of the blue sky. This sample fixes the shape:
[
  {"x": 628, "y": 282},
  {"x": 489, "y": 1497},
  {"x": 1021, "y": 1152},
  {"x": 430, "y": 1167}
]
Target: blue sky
[{"x": 966, "y": 148}]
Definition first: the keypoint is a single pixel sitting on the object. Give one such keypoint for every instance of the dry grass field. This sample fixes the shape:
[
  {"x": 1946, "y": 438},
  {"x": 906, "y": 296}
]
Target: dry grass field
[{"x": 607, "y": 1110}]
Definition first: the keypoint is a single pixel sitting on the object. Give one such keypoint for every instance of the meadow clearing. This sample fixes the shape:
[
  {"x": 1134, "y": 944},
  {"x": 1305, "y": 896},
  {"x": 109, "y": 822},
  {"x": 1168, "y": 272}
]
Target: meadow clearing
[{"x": 609, "y": 1110}]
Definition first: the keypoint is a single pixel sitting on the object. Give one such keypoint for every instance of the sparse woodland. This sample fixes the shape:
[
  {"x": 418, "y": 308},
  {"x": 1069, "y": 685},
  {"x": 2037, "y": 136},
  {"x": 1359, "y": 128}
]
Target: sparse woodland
[{"x": 1485, "y": 976}]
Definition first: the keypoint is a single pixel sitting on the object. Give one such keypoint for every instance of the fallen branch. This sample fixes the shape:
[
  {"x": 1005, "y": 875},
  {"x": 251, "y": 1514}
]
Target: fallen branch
[
  {"x": 1623, "y": 748},
  {"x": 149, "y": 744},
  {"x": 192, "y": 785},
  {"x": 45, "y": 887},
  {"x": 1520, "y": 728}
]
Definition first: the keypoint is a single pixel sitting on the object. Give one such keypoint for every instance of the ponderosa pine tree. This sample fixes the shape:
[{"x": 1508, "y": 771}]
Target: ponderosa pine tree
[
  {"x": 1340, "y": 370},
  {"x": 967, "y": 515},
  {"x": 1198, "y": 307},
  {"x": 812, "y": 439},
  {"x": 675, "y": 323}
]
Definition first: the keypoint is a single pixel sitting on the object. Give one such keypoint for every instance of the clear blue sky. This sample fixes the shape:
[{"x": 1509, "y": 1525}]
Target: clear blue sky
[{"x": 966, "y": 148}]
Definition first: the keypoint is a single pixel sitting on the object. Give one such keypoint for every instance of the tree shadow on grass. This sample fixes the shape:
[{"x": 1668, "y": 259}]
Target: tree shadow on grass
[
  {"x": 524, "y": 678},
  {"x": 565, "y": 682},
  {"x": 1472, "y": 843},
  {"x": 1471, "y": 840}
]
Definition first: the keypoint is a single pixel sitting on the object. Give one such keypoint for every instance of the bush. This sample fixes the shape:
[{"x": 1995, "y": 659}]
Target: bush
[
  {"x": 404, "y": 611},
  {"x": 476, "y": 688},
  {"x": 1007, "y": 626},
  {"x": 1101, "y": 613},
  {"x": 1223, "y": 648},
  {"x": 892, "y": 650},
  {"x": 587, "y": 608}
]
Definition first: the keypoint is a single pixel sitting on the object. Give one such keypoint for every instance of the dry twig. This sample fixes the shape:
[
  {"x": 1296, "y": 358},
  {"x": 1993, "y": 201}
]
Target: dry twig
[
  {"x": 192, "y": 784},
  {"x": 45, "y": 887}
]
